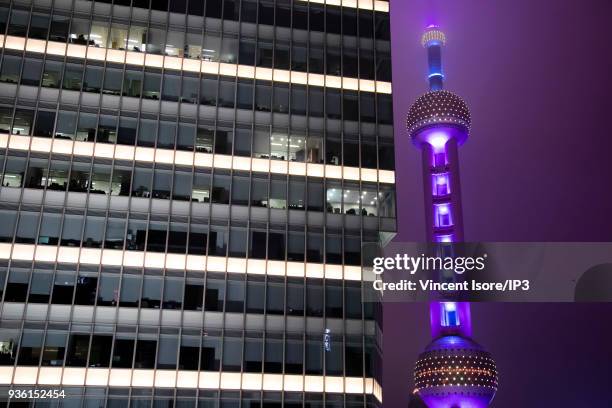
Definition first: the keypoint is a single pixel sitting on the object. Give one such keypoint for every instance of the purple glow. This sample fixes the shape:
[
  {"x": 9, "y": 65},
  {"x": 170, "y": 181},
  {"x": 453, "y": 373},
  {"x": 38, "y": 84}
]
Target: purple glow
[
  {"x": 464, "y": 318},
  {"x": 444, "y": 238},
  {"x": 443, "y": 216},
  {"x": 440, "y": 184},
  {"x": 437, "y": 140}
]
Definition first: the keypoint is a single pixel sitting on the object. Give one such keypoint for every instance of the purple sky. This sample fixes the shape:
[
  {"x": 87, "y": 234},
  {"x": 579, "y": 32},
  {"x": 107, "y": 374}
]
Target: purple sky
[{"x": 536, "y": 75}]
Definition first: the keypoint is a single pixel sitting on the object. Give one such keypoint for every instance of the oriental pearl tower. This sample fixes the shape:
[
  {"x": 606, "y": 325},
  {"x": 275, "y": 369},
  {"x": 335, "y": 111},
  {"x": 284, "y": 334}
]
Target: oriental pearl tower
[{"x": 453, "y": 371}]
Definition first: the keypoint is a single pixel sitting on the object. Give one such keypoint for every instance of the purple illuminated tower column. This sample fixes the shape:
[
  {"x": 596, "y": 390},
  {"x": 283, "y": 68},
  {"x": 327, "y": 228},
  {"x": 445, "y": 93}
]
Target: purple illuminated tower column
[{"x": 454, "y": 371}]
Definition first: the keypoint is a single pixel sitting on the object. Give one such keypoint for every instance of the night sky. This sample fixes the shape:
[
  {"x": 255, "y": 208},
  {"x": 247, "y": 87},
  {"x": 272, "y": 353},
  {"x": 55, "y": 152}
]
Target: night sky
[{"x": 537, "y": 167}]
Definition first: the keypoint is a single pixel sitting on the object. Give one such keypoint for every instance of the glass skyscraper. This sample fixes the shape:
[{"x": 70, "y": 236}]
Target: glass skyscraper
[{"x": 185, "y": 190}]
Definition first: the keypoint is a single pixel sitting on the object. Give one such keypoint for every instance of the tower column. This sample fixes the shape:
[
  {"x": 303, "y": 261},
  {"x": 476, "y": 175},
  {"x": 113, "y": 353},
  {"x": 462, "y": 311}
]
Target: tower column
[{"x": 453, "y": 371}]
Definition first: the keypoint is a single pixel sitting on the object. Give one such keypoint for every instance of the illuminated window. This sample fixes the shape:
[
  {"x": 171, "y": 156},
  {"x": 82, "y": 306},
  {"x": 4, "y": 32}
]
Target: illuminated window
[
  {"x": 440, "y": 185},
  {"x": 450, "y": 317},
  {"x": 442, "y": 216}
]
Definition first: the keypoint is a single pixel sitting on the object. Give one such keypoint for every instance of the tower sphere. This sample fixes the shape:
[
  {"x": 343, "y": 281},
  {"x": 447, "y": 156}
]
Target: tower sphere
[
  {"x": 432, "y": 35},
  {"x": 453, "y": 371},
  {"x": 438, "y": 108}
]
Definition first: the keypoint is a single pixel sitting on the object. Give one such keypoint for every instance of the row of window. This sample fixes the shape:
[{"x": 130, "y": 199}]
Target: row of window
[
  {"x": 332, "y": 60},
  {"x": 226, "y": 92},
  {"x": 200, "y": 186},
  {"x": 277, "y": 296},
  {"x": 350, "y": 22},
  {"x": 223, "y": 138},
  {"x": 164, "y": 398},
  {"x": 209, "y": 350},
  {"x": 138, "y": 234}
]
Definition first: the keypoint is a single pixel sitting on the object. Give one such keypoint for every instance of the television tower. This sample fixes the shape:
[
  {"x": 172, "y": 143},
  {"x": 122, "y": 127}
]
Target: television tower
[{"x": 454, "y": 371}]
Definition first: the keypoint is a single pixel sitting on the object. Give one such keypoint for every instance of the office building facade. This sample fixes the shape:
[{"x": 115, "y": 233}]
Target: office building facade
[{"x": 185, "y": 190}]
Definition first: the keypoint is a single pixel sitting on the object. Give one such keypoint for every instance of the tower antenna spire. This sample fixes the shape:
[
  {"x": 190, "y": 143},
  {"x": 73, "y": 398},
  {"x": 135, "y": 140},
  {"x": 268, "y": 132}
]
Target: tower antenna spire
[{"x": 433, "y": 40}]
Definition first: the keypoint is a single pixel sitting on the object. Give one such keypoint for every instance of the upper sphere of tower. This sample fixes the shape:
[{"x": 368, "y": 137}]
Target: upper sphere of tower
[
  {"x": 438, "y": 108},
  {"x": 433, "y": 34}
]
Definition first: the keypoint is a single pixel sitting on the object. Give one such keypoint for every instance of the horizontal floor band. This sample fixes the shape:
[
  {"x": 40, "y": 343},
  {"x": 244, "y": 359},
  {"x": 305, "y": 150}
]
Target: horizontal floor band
[
  {"x": 186, "y": 319},
  {"x": 192, "y": 65},
  {"x": 185, "y": 158},
  {"x": 377, "y": 5},
  {"x": 120, "y": 377},
  {"x": 160, "y": 260}
]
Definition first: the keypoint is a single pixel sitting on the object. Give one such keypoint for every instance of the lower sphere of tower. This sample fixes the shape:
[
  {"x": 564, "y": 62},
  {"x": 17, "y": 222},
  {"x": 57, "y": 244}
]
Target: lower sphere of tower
[{"x": 455, "y": 372}]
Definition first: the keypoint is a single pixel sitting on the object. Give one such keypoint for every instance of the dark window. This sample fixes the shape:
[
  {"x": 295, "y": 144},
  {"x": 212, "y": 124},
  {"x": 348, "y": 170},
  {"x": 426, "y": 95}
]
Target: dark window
[
  {"x": 113, "y": 81},
  {"x": 383, "y": 29},
  {"x": 100, "y": 353},
  {"x": 385, "y": 109},
  {"x": 366, "y": 24},
  {"x": 333, "y": 20},
  {"x": 333, "y": 104},
  {"x": 145, "y": 353},
  {"x": 210, "y": 353},
  {"x": 235, "y": 296},
  {"x": 78, "y": 345},
  {"x": 295, "y": 298},
  {"x": 30, "y": 348},
  {"x": 213, "y": 8},
  {"x": 275, "y": 297},
  {"x": 314, "y": 298},
  {"x": 333, "y": 300},
  {"x": 130, "y": 291},
  {"x": 40, "y": 287},
  {"x": 31, "y": 72},
  {"x": 167, "y": 353},
  {"x": 383, "y": 67},
  {"x": 253, "y": 355},
  {"x": 266, "y": 13},
  {"x": 314, "y": 356},
  {"x": 73, "y": 77},
  {"x": 294, "y": 360},
  {"x": 86, "y": 290},
  {"x": 352, "y": 300},
  {"x": 273, "y": 362},
  {"x": 123, "y": 353},
  {"x": 93, "y": 79},
  {"x": 151, "y": 292},
  {"x": 317, "y": 18},
  {"x": 44, "y": 124},
  {"x": 172, "y": 86},
  {"x": 173, "y": 294},
  {"x": 19, "y": 23},
  {"x": 295, "y": 250},
  {"x": 55, "y": 348},
  {"x": 190, "y": 353},
  {"x": 215, "y": 295},
  {"x": 353, "y": 358},
  {"x": 315, "y": 199},
  {"x": 63, "y": 288},
  {"x": 232, "y": 353},
  {"x": 255, "y": 296},
  {"x": 246, "y": 53},
  {"x": 349, "y": 21},
  {"x": 127, "y": 131},
  {"x": 151, "y": 85},
  {"x": 300, "y": 17},
  {"x": 59, "y": 28},
  {"x": 194, "y": 292},
  {"x": 27, "y": 228},
  {"x": 108, "y": 294},
  {"x": 226, "y": 93}
]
